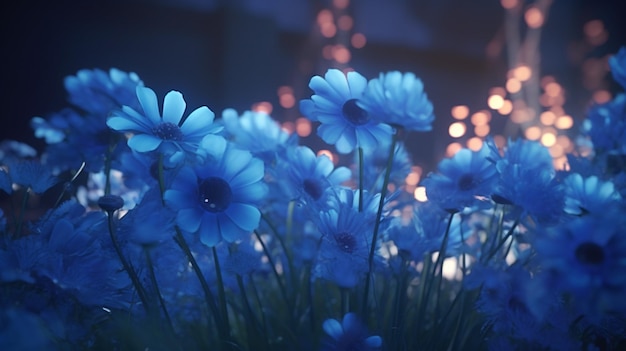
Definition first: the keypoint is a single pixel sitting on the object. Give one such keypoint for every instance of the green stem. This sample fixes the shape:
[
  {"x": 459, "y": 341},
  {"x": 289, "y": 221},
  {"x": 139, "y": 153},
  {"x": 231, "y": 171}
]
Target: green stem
[
  {"x": 504, "y": 239},
  {"x": 381, "y": 203}
]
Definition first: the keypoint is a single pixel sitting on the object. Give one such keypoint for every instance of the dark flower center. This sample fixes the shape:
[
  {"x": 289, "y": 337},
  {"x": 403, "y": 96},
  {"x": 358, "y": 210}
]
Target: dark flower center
[
  {"x": 168, "y": 131},
  {"x": 215, "y": 194},
  {"x": 353, "y": 113},
  {"x": 590, "y": 253},
  {"x": 313, "y": 188},
  {"x": 346, "y": 242},
  {"x": 466, "y": 182}
]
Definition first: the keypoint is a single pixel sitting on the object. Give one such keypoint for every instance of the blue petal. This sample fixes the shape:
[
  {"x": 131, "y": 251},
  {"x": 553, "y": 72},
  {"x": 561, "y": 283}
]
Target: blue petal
[
  {"x": 357, "y": 83},
  {"x": 307, "y": 108},
  {"x": 179, "y": 199},
  {"x": 198, "y": 122},
  {"x": 350, "y": 322},
  {"x": 230, "y": 231},
  {"x": 254, "y": 172},
  {"x": 331, "y": 132},
  {"x": 210, "y": 234},
  {"x": 245, "y": 216},
  {"x": 148, "y": 100},
  {"x": 374, "y": 341},
  {"x": 189, "y": 219},
  {"x": 251, "y": 193},
  {"x": 333, "y": 328},
  {"x": 173, "y": 107},
  {"x": 337, "y": 80},
  {"x": 123, "y": 124},
  {"x": 144, "y": 142}
]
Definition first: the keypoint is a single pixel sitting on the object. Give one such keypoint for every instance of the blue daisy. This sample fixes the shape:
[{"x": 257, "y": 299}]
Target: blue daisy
[
  {"x": 168, "y": 133},
  {"x": 399, "y": 99},
  {"x": 349, "y": 335},
  {"x": 589, "y": 195},
  {"x": 218, "y": 199},
  {"x": 311, "y": 176},
  {"x": 606, "y": 126},
  {"x": 343, "y": 122},
  {"x": 30, "y": 174},
  {"x": 465, "y": 180}
]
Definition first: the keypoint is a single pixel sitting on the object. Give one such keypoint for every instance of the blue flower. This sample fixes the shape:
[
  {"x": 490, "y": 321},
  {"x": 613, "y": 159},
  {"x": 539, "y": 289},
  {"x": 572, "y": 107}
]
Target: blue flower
[
  {"x": 168, "y": 134},
  {"x": 345, "y": 245},
  {"x": 585, "y": 258},
  {"x": 606, "y": 126},
  {"x": 465, "y": 180},
  {"x": 399, "y": 99},
  {"x": 375, "y": 162},
  {"x": 589, "y": 195},
  {"x": 311, "y": 176},
  {"x": 349, "y": 335},
  {"x": 5, "y": 182},
  {"x": 618, "y": 66},
  {"x": 30, "y": 174},
  {"x": 343, "y": 122},
  {"x": 218, "y": 199},
  {"x": 257, "y": 132}
]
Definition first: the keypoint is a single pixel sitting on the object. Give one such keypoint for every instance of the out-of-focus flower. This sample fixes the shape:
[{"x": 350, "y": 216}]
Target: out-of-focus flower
[
  {"x": 30, "y": 174},
  {"x": 168, "y": 133},
  {"x": 589, "y": 195},
  {"x": 399, "y": 99},
  {"x": 617, "y": 63},
  {"x": 375, "y": 162},
  {"x": 343, "y": 122},
  {"x": 349, "y": 335},
  {"x": 218, "y": 199},
  {"x": 606, "y": 126},
  {"x": 465, "y": 180}
]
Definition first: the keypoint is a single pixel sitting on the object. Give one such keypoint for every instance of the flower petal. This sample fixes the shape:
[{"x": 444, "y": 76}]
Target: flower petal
[
  {"x": 198, "y": 122},
  {"x": 245, "y": 216},
  {"x": 144, "y": 142},
  {"x": 173, "y": 107},
  {"x": 148, "y": 100},
  {"x": 333, "y": 328}
]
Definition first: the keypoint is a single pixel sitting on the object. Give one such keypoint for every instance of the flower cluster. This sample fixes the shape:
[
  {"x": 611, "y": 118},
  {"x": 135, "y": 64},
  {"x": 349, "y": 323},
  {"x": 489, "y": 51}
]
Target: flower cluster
[{"x": 185, "y": 231}]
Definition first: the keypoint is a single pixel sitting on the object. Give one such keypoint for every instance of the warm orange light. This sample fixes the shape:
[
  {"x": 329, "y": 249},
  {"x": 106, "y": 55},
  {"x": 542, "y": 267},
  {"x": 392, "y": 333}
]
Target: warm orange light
[
  {"x": 547, "y": 118},
  {"x": 327, "y": 52},
  {"x": 263, "y": 106},
  {"x": 303, "y": 127},
  {"x": 561, "y": 163},
  {"x": 556, "y": 151},
  {"x": 412, "y": 179},
  {"x": 287, "y": 100},
  {"x": 601, "y": 97},
  {"x": 341, "y": 54},
  {"x": 460, "y": 112},
  {"x": 327, "y": 153},
  {"x": 482, "y": 130},
  {"x": 507, "y": 107},
  {"x": 522, "y": 73},
  {"x": 534, "y": 17},
  {"x": 500, "y": 140},
  {"x": 345, "y": 22},
  {"x": 480, "y": 118},
  {"x": 564, "y": 122},
  {"x": 358, "y": 40},
  {"x": 565, "y": 143},
  {"x": 457, "y": 129},
  {"x": 497, "y": 91},
  {"x": 513, "y": 85},
  {"x": 548, "y": 139},
  {"x": 288, "y": 127},
  {"x": 341, "y": 4},
  {"x": 328, "y": 29},
  {"x": 532, "y": 133},
  {"x": 324, "y": 16},
  {"x": 285, "y": 89},
  {"x": 474, "y": 143},
  {"x": 509, "y": 4},
  {"x": 495, "y": 102},
  {"x": 420, "y": 194},
  {"x": 553, "y": 89},
  {"x": 452, "y": 149},
  {"x": 545, "y": 80}
]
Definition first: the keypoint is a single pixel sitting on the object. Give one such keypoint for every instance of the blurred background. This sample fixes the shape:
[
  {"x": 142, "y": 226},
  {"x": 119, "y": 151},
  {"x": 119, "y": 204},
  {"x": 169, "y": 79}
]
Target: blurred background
[{"x": 506, "y": 68}]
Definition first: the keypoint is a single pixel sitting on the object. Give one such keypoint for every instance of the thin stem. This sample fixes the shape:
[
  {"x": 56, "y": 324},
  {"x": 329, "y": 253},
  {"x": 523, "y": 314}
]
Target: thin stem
[
  {"x": 504, "y": 239},
  {"x": 127, "y": 267},
  {"x": 158, "y": 290},
  {"x": 381, "y": 203},
  {"x": 20, "y": 219},
  {"x": 361, "y": 167},
  {"x": 221, "y": 294},
  {"x": 281, "y": 286}
]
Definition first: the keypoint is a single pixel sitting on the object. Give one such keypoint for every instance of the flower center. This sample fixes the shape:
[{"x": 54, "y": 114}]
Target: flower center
[
  {"x": 312, "y": 188},
  {"x": 215, "y": 194},
  {"x": 346, "y": 242},
  {"x": 590, "y": 253},
  {"x": 168, "y": 131},
  {"x": 466, "y": 182},
  {"x": 353, "y": 113}
]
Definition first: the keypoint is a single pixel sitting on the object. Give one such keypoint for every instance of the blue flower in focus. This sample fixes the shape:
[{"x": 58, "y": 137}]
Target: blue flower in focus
[
  {"x": 218, "y": 199},
  {"x": 343, "y": 122},
  {"x": 589, "y": 195},
  {"x": 399, "y": 99},
  {"x": 465, "y": 180},
  {"x": 349, "y": 335},
  {"x": 618, "y": 66},
  {"x": 257, "y": 132},
  {"x": 168, "y": 133},
  {"x": 311, "y": 176}
]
